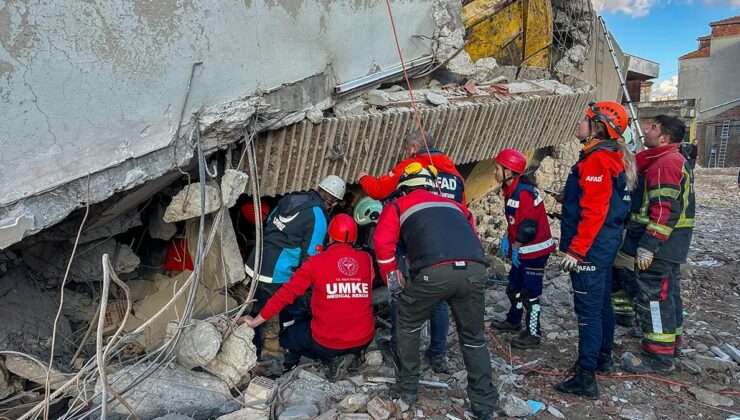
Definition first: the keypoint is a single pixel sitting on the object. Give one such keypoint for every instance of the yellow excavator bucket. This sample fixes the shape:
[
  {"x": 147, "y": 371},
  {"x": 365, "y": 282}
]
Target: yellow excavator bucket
[{"x": 519, "y": 34}]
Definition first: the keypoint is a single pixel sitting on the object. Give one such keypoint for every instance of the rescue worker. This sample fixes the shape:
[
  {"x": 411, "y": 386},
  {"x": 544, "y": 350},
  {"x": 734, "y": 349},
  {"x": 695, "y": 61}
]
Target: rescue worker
[
  {"x": 294, "y": 231},
  {"x": 342, "y": 323},
  {"x": 366, "y": 214},
  {"x": 528, "y": 243},
  {"x": 447, "y": 263},
  {"x": 624, "y": 290},
  {"x": 419, "y": 147},
  {"x": 658, "y": 236},
  {"x": 595, "y": 206}
]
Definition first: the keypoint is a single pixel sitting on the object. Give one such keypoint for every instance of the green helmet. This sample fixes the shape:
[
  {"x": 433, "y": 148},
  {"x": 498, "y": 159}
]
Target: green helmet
[{"x": 367, "y": 211}]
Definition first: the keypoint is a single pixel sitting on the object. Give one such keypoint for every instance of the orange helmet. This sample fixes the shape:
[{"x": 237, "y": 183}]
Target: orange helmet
[
  {"x": 342, "y": 228},
  {"x": 612, "y": 114},
  {"x": 512, "y": 159}
]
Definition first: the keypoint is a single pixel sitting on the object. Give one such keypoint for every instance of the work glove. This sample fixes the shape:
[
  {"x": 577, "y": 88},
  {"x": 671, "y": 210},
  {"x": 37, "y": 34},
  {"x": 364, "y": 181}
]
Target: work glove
[
  {"x": 644, "y": 258},
  {"x": 515, "y": 256},
  {"x": 569, "y": 263},
  {"x": 504, "y": 248},
  {"x": 395, "y": 281}
]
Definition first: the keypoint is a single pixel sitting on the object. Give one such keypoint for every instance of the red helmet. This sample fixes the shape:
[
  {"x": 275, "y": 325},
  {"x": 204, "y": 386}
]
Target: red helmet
[
  {"x": 512, "y": 159},
  {"x": 248, "y": 212},
  {"x": 612, "y": 114},
  {"x": 342, "y": 228}
]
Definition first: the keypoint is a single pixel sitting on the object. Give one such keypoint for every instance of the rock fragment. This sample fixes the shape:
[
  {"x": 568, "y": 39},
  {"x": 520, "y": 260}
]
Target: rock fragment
[
  {"x": 186, "y": 203},
  {"x": 233, "y": 183}
]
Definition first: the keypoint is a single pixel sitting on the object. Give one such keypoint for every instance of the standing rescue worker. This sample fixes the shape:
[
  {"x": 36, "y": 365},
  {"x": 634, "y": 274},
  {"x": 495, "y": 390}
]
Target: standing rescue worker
[
  {"x": 658, "y": 236},
  {"x": 595, "y": 206},
  {"x": 342, "y": 323},
  {"x": 528, "y": 243},
  {"x": 294, "y": 231},
  {"x": 447, "y": 263},
  {"x": 419, "y": 148}
]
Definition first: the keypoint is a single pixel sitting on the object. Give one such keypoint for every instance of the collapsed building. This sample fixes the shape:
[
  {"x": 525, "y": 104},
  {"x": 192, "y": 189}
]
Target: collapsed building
[{"x": 135, "y": 131}]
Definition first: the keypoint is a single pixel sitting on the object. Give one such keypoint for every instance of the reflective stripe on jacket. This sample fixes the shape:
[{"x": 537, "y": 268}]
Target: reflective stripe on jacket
[{"x": 523, "y": 203}]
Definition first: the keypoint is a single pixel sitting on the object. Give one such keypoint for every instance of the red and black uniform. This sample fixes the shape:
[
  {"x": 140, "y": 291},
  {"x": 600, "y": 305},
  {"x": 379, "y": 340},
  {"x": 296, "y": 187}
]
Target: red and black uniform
[
  {"x": 447, "y": 265},
  {"x": 341, "y": 303},
  {"x": 661, "y": 221},
  {"x": 451, "y": 183},
  {"x": 595, "y": 207},
  {"x": 527, "y": 225}
]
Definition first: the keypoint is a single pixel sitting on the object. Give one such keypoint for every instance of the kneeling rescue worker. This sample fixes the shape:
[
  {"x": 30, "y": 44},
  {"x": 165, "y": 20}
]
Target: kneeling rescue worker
[
  {"x": 528, "y": 243},
  {"x": 342, "y": 324},
  {"x": 595, "y": 205},
  {"x": 447, "y": 263}
]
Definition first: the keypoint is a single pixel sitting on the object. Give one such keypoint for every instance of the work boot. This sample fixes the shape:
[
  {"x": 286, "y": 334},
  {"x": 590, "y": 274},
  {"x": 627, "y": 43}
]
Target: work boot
[
  {"x": 525, "y": 340},
  {"x": 290, "y": 361},
  {"x": 438, "y": 363},
  {"x": 408, "y": 397},
  {"x": 483, "y": 414},
  {"x": 579, "y": 381},
  {"x": 337, "y": 366},
  {"x": 646, "y": 363},
  {"x": 389, "y": 353},
  {"x": 505, "y": 325},
  {"x": 605, "y": 363}
]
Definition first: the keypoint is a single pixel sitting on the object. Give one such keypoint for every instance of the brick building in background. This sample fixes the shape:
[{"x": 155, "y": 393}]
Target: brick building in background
[{"x": 710, "y": 76}]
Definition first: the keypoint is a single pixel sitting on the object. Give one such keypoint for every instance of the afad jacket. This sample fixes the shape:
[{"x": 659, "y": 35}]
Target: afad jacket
[
  {"x": 596, "y": 203},
  {"x": 527, "y": 220},
  {"x": 449, "y": 180}
]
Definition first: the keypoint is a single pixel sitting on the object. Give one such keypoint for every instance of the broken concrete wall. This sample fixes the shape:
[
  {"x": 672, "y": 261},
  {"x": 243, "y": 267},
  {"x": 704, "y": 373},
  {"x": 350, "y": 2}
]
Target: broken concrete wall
[{"x": 92, "y": 86}]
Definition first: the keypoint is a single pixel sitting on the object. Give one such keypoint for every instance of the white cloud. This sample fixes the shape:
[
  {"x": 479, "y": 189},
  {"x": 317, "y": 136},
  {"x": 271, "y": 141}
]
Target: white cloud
[
  {"x": 639, "y": 8},
  {"x": 667, "y": 88},
  {"x": 634, "y": 8}
]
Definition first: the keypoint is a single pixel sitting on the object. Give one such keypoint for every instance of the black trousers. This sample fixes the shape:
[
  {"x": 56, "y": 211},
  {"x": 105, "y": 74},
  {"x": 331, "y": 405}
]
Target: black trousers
[
  {"x": 299, "y": 310},
  {"x": 297, "y": 339}
]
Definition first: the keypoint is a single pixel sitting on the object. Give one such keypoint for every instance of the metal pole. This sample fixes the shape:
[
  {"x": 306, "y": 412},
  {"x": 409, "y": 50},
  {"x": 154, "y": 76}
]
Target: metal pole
[{"x": 633, "y": 113}]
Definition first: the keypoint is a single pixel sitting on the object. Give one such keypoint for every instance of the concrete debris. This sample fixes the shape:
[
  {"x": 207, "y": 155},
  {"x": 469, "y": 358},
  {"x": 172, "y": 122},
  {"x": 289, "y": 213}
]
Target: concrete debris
[
  {"x": 353, "y": 402},
  {"x": 174, "y": 417},
  {"x": 721, "y": 354},
  {"x": 14, "y": 226},
  {"x": 353, "y": 107},
  {"x": 711, "y": 398},
  {"x": 198, "y": 344},
  {"x": 377, "y": 98},
  {"x": 483, "y": 69},
  {"x": 7, "y": 388},
  {"x": 27, "y": 315},
  {"x": 150, "y": 297},
  {"x": 354, "y": 416},
  {"x": 715, "y": 364},
  {"x": 169, "y": 389},
  {"x": 732, "y": 351},
  {"x": 436, "y": 98},
  {"x": 380, "y": 409},
  {"x": 374, "y": 358},
  {"x": 186, "y": 203},
  {"x": 121, "y": 224},
  {"x": 555, "y": 412},
  {"x": 259, "y": 391},
  {"x": 158, "y": 228},
  {"x": 247, "y": 413},
  {"x": 322, "y": 394},
  {"x": 299, "y": 412},
  {"x": 78, "y": 307},
  {"x": 233, "y": 183},
  {"x": 449, "y": 37},
  {"x": 637, "y": 413},
  {"x": 514, "y": 406},
  {"x": 237, "y": 357},
  {"x": 315, "y": 114},
  {"x": 34, "y": 371},
  {"x": 220, "y": 121},
  {"x": 223, "y": 264},
  {"x": 49, "y": 260}
]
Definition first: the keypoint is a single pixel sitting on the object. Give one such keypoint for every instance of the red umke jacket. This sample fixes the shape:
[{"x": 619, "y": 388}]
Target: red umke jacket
[{"x": 341, "y": 302}]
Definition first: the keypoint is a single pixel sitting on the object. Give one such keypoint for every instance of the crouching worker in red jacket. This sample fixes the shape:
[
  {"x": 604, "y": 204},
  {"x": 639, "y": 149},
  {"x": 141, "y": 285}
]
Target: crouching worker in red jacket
[{"x": 342, "y": 323}]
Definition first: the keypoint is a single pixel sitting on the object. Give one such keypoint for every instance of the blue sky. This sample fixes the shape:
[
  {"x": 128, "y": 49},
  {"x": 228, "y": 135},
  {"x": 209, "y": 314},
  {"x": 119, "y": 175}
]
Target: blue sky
[{"x": 663, "y": 30}]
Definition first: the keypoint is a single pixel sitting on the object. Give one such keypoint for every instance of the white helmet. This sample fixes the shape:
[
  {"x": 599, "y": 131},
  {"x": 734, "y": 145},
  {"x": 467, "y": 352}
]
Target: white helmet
[{"x": 334, "y": 185}]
